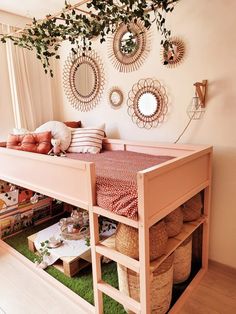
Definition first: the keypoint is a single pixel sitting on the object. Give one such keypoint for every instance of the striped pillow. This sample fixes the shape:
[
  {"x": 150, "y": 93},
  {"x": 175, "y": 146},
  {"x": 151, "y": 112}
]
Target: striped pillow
[{"x": 86, "y": 140}]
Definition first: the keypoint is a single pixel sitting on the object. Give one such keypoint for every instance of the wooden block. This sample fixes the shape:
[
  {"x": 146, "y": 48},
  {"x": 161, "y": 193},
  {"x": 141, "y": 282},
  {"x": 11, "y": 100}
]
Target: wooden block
[{"x": 31, "y": 245}]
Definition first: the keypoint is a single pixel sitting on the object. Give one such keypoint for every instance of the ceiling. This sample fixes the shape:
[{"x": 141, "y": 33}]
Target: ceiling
[{"x": 33, "y": 8}]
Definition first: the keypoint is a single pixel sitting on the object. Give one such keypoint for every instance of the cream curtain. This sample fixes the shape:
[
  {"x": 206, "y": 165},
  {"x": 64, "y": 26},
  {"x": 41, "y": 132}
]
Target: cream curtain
[
  {"x": 31, "y": 89},
  {"x": 6, "y": 109}
]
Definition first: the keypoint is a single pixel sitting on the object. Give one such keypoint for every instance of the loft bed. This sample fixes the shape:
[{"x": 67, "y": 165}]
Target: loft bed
[{"x": 161, "y": 189}]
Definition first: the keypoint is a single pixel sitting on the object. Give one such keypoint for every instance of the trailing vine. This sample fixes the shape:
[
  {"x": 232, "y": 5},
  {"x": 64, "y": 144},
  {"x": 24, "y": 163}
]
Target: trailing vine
[{"x": 80, "y": 27}]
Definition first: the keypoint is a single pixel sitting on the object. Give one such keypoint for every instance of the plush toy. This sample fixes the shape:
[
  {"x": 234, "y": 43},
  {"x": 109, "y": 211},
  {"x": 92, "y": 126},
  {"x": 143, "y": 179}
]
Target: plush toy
[{"x": 56, "y": 150}]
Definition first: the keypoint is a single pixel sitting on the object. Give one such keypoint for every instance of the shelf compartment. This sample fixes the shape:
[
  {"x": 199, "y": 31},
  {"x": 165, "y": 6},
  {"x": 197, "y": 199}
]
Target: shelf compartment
[{"x": 173, "y": 243}]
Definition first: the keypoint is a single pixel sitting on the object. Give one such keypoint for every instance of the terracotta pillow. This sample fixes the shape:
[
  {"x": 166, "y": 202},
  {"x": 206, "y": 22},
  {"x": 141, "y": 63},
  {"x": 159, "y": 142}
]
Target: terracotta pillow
[
  {"x": 33, "y": 142},
  {"x": 73, "y": 124}
]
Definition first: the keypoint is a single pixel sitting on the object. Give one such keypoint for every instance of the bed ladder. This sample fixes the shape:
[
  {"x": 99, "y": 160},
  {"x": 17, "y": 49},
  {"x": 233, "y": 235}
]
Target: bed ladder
[{"x": 98, "y": 250}]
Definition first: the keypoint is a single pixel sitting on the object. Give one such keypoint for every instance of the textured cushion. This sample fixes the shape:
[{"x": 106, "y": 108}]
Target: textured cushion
[
  {"x": 59, "y": 131},
  {"x": 73, "y": 124},
  {"x": 33, "y": 142},
  {"x": 86, "y": 140}
]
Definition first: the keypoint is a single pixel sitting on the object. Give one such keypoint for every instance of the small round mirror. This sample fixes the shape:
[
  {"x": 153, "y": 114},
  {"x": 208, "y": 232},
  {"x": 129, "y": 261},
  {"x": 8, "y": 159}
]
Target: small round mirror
[
  {"x": 173, "y": 55},
  {"x": 115, "y": 97},
  {"x": 148, "y": 104},
  {"x": 85, "y": 79}
]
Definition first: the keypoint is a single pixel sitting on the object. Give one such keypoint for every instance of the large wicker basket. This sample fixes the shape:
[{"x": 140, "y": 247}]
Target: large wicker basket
[
  {"x": 182, "y": 261},
  {"x": 174, "y": 222},
  {"x": 192, "y": 208},
  {"x": 127, "y": 240},
  {"x": 161, "y": 285}
]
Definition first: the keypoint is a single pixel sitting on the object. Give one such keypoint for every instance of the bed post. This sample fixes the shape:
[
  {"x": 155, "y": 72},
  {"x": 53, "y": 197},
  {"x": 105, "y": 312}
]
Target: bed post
[
  {"x": 94, "y": 239},
  {"x": 206, "y": 208},
  {"x": 144, "y": 254}
]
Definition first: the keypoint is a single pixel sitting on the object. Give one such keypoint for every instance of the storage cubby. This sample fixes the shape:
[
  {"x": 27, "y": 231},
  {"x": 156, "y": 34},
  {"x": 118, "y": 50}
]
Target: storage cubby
[{"x": 25, "y": 213}]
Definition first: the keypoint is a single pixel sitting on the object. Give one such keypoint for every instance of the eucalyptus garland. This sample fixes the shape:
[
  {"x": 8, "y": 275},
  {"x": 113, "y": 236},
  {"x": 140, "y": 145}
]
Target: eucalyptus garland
[{"x": 80, "y": 28}]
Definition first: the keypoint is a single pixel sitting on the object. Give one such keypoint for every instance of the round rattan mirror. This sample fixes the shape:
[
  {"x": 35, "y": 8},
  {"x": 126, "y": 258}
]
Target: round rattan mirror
[
  {"x": 174, "y": 55},
  {"x": 115, "y": 97},
  {"x": 83, "y": 79},
  {"x": 129, "y": 46},
  {"x": 147, "y": 103}
]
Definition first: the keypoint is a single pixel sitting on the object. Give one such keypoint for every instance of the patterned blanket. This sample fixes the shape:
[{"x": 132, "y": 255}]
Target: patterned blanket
[{"x": 116, "y": 178}]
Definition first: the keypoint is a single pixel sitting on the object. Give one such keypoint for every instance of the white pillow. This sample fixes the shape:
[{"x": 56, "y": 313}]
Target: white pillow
[
  {"x": 59, "y": 131},
  {"x": 86, "y": 140}
]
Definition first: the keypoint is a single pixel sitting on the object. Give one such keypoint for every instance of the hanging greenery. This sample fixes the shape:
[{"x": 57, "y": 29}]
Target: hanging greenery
[{"x": 80, "y": 27}]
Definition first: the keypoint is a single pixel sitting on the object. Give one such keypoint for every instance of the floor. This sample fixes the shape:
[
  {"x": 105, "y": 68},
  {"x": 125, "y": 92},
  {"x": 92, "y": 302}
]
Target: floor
[
  {"x": 22, "y": 291},
  {"x": 216, "y": 293}
]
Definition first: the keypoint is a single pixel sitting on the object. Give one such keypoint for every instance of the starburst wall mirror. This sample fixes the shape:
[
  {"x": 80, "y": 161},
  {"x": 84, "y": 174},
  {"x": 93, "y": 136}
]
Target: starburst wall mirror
[
  {"x": 129, "y": 46},
  {"x": 83, "y": 79}
]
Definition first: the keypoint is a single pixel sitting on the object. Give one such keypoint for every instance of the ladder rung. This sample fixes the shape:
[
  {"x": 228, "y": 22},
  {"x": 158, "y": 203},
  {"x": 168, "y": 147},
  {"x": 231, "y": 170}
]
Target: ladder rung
[
  {"x": 109, "y": 214},
  {"x": 122, "y": 298},
  {"x": 118, "y": 257}
]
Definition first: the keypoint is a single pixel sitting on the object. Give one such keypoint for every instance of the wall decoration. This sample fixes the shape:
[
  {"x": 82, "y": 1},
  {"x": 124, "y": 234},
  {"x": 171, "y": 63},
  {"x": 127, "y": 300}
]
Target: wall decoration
[
  {"x": 83, "y": 79},
  {"x": 173, "y": 56},
  {"x": 129, "y": 46},
  {"x": 115, "y": 97},
  {"x": 87, "y": 20},
  {"x": 147, "y": 103}
]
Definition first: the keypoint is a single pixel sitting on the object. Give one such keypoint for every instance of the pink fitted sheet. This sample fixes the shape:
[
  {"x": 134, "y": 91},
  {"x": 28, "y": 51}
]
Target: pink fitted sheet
[{"x": 116, "y": 178}]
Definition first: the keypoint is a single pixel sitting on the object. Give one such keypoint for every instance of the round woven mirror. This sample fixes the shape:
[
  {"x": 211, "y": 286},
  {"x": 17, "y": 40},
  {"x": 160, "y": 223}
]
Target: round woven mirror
[
  {"x": 83, "y": 79},
  {"x": 129, "y": 46},
  {"x": 174, "y": 55},
  {"x": 115, "y": 97},
  {"x": 147, "y": 103}
]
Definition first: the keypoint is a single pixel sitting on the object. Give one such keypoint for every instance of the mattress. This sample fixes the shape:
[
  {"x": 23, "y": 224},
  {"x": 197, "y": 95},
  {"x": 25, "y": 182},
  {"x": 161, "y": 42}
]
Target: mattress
[{"x": 116, "y": 178}]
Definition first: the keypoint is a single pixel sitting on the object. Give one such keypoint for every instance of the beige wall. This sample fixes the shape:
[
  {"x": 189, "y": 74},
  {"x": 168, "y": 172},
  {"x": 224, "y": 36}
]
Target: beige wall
[{"x": 208, "y": 29}]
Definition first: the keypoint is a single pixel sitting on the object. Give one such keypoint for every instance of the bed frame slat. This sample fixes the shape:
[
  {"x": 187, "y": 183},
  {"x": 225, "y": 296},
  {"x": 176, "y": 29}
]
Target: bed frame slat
[
  {"x": 106, "y": 213},
  {"x": 125, "y": 300},
  {"x": 118, "y": 257}
]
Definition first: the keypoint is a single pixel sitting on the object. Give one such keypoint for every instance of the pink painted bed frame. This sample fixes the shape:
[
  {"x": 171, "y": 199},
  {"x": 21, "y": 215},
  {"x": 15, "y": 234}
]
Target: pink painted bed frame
[{"x": 161, "y": 189}]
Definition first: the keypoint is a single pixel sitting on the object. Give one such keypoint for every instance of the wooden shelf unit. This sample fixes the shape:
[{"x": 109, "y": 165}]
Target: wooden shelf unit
[{"x": 173, "y": 243}]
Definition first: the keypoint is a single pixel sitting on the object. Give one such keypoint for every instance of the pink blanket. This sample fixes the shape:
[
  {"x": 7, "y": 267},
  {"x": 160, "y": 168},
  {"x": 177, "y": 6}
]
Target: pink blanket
[{"x": 116, "y": 178}]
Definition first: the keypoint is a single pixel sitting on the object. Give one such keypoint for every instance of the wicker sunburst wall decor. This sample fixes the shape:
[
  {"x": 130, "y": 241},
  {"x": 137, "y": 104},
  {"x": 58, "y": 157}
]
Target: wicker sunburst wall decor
[
  {"x": 83, "y": 79},
  {"x": 129, "y": 46},
  {"x": 175, "y": 55},
  {"x": 147, "y": 103}
]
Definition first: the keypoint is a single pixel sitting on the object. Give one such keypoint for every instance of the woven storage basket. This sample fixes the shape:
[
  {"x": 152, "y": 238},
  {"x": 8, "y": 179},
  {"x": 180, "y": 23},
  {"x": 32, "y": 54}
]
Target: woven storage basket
[
  {"x": 127, "y": 240},
  {"x": 182, "y": 261},
  {"x": 192, "y": 208},
  {"x": 161, "y": 285},
  {"x": 174, "y": 222}
]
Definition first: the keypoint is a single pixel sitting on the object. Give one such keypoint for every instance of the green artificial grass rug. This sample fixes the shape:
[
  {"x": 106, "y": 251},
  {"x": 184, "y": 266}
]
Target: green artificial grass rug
[{"x": 82, "y": 283}]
